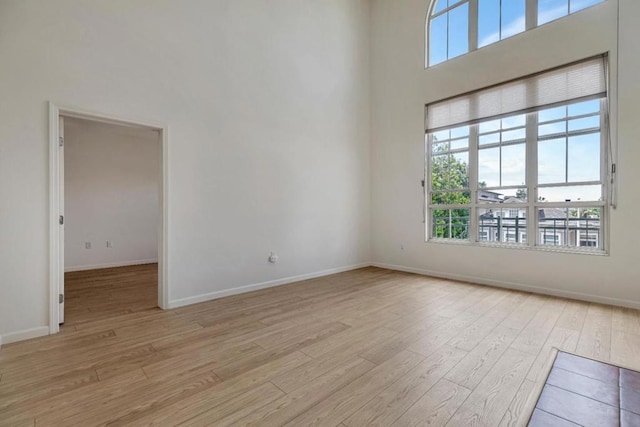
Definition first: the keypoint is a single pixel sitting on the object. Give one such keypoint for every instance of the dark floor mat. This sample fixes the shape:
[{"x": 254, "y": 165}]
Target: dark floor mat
[{"x": 585, "y": 392}]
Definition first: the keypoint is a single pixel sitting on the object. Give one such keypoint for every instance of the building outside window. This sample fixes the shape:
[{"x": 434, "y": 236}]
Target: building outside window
[{"x": 533, "y": 164}]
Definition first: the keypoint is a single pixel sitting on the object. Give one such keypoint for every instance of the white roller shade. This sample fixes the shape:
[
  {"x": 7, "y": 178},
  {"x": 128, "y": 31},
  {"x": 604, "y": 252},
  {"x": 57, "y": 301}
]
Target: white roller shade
[{"x": 582, "y": 80}]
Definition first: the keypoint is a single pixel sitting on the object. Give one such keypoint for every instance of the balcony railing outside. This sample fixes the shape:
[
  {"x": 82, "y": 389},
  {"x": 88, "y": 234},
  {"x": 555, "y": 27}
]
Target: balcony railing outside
[{"x": 553, "y": 231}]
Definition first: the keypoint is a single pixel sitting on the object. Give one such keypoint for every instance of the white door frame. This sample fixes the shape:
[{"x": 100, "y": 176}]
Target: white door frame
[{"x": 56, "y": 246}]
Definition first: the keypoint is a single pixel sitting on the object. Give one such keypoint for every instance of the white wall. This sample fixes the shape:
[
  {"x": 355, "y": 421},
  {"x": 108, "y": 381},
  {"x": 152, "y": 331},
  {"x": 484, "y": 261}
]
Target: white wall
[
  {"x": 112, "y": 186},
  {"x": 402, "y": 87},
  {"x": 267, "y": 104}
]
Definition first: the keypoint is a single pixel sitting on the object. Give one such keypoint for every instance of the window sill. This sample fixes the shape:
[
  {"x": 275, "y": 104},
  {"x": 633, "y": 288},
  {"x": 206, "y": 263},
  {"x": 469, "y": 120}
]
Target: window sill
[{"x": 563, "y": 250}]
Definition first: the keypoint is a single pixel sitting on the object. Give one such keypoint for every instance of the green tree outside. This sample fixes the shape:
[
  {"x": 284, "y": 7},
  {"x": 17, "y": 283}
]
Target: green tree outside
[{"x": 449, "y": 173}]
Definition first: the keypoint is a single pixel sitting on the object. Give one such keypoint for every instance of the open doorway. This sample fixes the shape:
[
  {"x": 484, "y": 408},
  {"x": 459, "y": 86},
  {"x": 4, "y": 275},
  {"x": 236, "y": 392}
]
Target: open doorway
[{"x": 108, "y": 217}]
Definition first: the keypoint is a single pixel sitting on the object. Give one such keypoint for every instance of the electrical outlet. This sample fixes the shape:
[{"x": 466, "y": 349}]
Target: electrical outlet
[
  {"x": 273, "y": 258},
  {"x": 87, "y": 245},
  {"x": 109, "y": 245}
]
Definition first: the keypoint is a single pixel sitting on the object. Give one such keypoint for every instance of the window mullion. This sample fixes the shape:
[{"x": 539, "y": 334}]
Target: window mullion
[
  {"x": 473, "y": 182},
  {"x": 531, "y": 17},
  {"x": 473, "y": 25},
  {"x": 427, "y": 186},
  {"x": 448, "y": 33},
  {"x": 604, "y": 157},
  {"x": 532, "y": 177},
  {"x": 604, "y": 175},
  {"x": 566, "y": 152}
]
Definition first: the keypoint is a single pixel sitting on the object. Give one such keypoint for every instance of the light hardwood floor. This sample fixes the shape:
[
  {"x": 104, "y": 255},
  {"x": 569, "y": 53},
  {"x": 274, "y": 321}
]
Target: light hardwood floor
[
  {"x": 366, "y": 347},
  {"x": 108, "y": 292}
]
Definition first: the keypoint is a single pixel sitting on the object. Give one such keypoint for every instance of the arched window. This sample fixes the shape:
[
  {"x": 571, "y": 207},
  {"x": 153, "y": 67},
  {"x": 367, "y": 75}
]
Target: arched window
[{"x": 455, "y": 27}]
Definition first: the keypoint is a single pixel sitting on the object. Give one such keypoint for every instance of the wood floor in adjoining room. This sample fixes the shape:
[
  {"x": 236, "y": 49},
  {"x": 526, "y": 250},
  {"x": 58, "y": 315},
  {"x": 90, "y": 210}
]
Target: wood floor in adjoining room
[
  {"x": 366, "y": 347},
  {"x": 108, "y": 292}
]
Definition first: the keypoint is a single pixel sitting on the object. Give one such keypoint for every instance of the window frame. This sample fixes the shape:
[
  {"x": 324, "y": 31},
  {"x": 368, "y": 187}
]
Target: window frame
[
  {"x": 531, "y": 22},
  {"x": 472, "y": 40},
  {"x": 532, "y": 204}
]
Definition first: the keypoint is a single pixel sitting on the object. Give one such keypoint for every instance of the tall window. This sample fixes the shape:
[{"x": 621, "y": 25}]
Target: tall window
[
  {"x": 456, "y": 27},
  {"x": 529, "y": 170}
]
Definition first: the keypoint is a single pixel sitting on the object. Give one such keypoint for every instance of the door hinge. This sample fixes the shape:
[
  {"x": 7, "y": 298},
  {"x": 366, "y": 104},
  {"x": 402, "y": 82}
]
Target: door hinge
[
  {"x": 61, "y": 220},
  {"x": 422, "y": 183},
  {"x": 61, "y": 141},
  {"x": 60, "y": 298}
]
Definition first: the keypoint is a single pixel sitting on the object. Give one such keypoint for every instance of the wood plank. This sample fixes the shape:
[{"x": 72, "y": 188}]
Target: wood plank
[
  {"x": 573, "y": 315},
  {"x": 490, "y": 400},
  {"x": 521, "y": 317},
  {"x": 478, "y": 331},
  {"x": 535, "y": 334},
  {"x": 209, "y": 358},
  {"x": 435, "y": 408},
  {"x": 350, "y": 341},
  {"x": 137, "y": 402},
  {"x": 288, "y": 407},
  {"x": 518, "y": 412},
  {"x": 625, "y": 349},
  {"x": 27, "y": 422},
  {"x": 234, "y": 409},
  {"x": 381, "y": 351},
  {"x": 595, "y": 338},
  {"x": 477, "y": 363},
  {"x": 436, "y": 337},
  {"x": 88, "y": 396},
  {"x": 12, "y": 397},
  {"x": 341, "y": 404},
  {"x": 307, "y": 372},
  {"x": 391, "y": 403},
  {"x": 182, "y": 410},
  {"x": 626, "y": 320},
  {"x": 300, "y": 333}
]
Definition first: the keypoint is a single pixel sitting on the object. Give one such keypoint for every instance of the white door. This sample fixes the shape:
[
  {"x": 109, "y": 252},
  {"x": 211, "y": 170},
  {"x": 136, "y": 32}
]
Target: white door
[{"x": 62, "y": 220}]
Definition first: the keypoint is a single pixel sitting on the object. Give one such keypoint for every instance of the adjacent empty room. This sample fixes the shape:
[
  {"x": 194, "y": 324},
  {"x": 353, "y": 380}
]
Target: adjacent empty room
[{"x": 111, "y": 175}]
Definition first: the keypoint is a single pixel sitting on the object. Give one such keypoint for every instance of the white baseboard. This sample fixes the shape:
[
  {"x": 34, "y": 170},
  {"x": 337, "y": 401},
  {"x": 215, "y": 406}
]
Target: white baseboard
[
  {"x": 44, "y": 330},
  {"x": 26, "y": 334},
  {"x": 256, "y": 286},
  {"x": 511, "y": 285},
  {"x": 110, "y": 265}
]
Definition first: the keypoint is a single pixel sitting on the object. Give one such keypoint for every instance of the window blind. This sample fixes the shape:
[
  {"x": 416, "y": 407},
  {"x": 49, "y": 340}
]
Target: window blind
[{"x": 578, "y": 81}]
